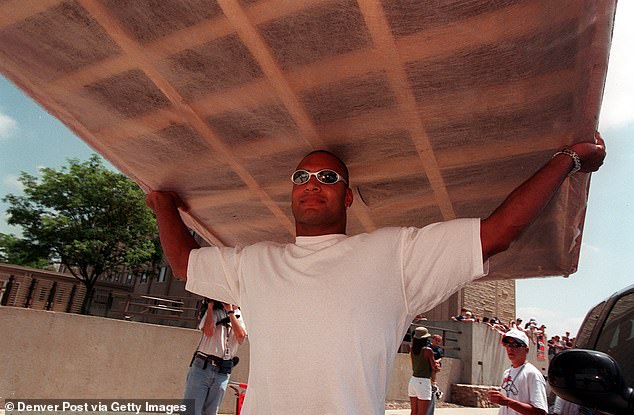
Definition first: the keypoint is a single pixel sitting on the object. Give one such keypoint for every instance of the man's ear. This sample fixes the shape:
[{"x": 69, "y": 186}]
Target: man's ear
[{"x": 349, "y": 198}]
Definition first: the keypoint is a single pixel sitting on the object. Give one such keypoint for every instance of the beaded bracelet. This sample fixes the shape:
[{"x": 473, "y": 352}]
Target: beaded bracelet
[{"x": 575, "y": 159}]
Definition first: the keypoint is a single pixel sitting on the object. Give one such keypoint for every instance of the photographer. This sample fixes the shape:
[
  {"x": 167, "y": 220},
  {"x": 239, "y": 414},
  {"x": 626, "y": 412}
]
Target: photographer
[{"x": 222, "y": 332}]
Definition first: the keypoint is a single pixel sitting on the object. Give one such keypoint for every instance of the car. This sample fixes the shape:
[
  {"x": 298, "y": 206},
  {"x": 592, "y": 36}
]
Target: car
[{"x": 598, "y": 373}]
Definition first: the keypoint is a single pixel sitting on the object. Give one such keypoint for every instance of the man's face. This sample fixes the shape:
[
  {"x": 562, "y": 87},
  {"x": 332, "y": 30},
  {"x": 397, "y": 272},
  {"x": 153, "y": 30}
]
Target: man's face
[{"x": 319, "y": 208}]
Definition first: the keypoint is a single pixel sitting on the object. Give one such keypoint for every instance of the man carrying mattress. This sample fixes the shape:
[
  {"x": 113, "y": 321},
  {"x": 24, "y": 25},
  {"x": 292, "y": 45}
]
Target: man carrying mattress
[{"x": 327, "y": 313}]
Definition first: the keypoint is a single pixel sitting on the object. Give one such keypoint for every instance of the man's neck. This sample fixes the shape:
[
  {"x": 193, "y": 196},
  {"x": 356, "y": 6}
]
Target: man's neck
[
  {"x": 304, "y": 230},
  {"x": 518, "y": 363}
]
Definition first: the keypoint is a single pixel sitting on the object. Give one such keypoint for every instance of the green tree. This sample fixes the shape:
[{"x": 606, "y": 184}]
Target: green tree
[
  {"x": 14, "y": 250},
  {"x": 89, "y": 218}
]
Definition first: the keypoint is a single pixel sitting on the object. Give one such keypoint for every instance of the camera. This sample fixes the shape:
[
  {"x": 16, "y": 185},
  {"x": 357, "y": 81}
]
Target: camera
[{"x": 225, "y": 365}]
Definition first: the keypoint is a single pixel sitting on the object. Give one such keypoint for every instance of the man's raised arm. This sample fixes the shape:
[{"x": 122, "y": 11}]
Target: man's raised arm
[
  {"x": 526, "y": 202},
  {"x": 176, "y": 239}
]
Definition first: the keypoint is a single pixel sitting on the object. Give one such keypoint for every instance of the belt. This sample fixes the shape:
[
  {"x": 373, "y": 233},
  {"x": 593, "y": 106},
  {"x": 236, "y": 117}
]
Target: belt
[{"x": 208, "y": 358}]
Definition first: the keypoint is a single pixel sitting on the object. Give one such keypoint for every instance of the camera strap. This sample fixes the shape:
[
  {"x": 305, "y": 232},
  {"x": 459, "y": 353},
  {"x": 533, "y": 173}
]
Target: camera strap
[{"x": 227, "y": 349}]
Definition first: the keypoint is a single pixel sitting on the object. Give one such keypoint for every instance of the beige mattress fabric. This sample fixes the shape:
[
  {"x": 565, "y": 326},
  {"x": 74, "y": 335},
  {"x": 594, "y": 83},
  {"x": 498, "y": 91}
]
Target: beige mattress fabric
[{"x": 439, "y": 107}]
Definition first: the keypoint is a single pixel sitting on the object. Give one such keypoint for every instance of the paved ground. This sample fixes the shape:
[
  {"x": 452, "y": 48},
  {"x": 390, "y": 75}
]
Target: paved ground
[
  {"x": 449, "y": 411},
  {"x": 439, "y": 411}
]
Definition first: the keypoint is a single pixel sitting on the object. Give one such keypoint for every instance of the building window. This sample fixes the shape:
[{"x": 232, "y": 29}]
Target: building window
[
  {"x": 144, "y": 278},
  {"x": 59, "y": 295},
  {"x": 162, "y": 274}
]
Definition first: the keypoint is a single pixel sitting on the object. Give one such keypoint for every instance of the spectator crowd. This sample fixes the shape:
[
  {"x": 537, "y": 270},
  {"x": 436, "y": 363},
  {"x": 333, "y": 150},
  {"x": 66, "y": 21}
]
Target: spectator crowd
[{"x": 535, "y": 332}]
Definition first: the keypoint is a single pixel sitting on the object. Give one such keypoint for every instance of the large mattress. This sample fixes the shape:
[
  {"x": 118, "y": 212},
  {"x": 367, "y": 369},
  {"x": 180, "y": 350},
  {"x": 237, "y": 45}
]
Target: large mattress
[{"x": 440, "y": 107}]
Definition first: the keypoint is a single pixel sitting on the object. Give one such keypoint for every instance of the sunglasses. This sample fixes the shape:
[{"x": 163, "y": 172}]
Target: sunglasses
[
  {"x": 513, "y": 345},
  {"x": 325, "y": 176}
]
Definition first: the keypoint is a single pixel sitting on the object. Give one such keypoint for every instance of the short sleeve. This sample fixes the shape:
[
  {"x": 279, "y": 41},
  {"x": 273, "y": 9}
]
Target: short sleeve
[
  {"x": 213, "y": 272},
  {"x": 439, "y": 259},
  {"x": 538, "y": 393}
]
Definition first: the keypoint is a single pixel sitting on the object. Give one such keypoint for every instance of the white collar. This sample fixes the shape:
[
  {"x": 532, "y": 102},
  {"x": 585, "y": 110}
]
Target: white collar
[{"x": 320, "y": 241}]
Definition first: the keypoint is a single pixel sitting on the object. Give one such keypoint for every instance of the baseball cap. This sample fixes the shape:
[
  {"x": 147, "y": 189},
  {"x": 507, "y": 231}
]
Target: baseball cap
[{"x": 516, "y": 336}]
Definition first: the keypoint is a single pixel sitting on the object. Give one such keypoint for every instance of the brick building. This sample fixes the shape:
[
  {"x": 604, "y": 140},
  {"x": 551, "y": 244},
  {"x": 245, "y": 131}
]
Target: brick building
[{"x": 156, "y": 298}]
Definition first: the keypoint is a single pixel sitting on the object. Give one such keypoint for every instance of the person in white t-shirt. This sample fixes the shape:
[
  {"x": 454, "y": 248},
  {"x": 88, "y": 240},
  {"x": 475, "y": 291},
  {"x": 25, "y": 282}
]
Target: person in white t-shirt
[
  {"x": 215, "y": 356},
  {"x": 352, "y": 298},
  {"x": 523, "y": 389}
]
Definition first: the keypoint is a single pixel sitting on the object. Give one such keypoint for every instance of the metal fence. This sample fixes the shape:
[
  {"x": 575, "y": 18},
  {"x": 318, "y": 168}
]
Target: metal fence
[{"x": 165, "y": 310}]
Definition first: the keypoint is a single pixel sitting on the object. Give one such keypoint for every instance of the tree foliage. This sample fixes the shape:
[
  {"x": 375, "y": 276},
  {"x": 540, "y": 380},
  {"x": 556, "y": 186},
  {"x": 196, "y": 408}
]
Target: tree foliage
[
  {"x": 89, "y": 218},
  {"x": 14, "y": 250}
]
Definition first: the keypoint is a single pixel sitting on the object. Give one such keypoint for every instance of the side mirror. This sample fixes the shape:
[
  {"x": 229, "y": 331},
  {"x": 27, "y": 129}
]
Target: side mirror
[{"x": 591, "y": 379}]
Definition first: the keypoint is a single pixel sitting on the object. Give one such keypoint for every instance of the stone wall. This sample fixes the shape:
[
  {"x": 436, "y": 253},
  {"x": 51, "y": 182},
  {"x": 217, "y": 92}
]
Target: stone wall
[
  {"x": 471, "y": 395},
  {"x": 491, "y": 299},
  {"x": 484, "y": 298}
]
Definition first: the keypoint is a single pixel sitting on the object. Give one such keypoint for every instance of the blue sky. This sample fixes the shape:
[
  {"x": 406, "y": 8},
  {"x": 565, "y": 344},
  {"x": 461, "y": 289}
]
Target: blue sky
[{"x": 30, "y": 138}]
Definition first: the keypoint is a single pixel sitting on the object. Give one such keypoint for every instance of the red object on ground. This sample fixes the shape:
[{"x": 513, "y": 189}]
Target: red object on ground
[{"x": 240, "y": 390}]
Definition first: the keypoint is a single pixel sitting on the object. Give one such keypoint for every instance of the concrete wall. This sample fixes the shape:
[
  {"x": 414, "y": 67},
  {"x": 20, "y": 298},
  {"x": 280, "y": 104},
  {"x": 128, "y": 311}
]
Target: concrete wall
[
  {"x": 487, "y": 360},
  {"x": 477, "y": 346},
  {"x": 448, "y": 375},
  {"x": 487, "y": 349},
  {"x": 45, "y": 354}
]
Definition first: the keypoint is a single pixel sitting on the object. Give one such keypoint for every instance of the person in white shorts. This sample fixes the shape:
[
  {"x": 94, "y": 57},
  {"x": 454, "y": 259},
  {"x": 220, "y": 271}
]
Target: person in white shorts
[{"x": 423, "y": 366}]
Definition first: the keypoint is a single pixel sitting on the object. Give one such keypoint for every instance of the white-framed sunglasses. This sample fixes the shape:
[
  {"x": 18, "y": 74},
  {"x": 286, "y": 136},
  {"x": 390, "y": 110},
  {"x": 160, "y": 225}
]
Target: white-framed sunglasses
[{"x": 325, "y": 176}]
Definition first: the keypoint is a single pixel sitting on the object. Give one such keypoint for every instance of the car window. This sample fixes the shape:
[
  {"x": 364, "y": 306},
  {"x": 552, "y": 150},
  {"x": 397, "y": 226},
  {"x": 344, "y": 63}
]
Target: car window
[
  {"x": 617, "y": 336},
  {"x": 583, "y": 337}
]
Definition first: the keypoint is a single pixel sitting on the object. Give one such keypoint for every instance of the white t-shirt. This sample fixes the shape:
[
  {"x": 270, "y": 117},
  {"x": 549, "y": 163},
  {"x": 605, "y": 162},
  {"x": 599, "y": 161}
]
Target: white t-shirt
[
  {"x": 327, "y": 314},
  {"x": 223, "y": 343},
  {"x": 525, "y": 384}
]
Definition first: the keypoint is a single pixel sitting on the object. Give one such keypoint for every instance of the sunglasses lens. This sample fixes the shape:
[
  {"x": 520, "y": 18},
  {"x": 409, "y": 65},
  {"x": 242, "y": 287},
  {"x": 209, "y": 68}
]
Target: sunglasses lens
[
  {"x": 327, "y": 176},
  {"x": 300, "y": 177},
  {"x": 324, "y": 176}
]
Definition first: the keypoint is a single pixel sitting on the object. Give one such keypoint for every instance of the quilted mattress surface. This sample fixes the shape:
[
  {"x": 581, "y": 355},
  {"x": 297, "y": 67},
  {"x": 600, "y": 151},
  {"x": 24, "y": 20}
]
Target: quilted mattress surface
[{"x": 439, "y": 107}]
